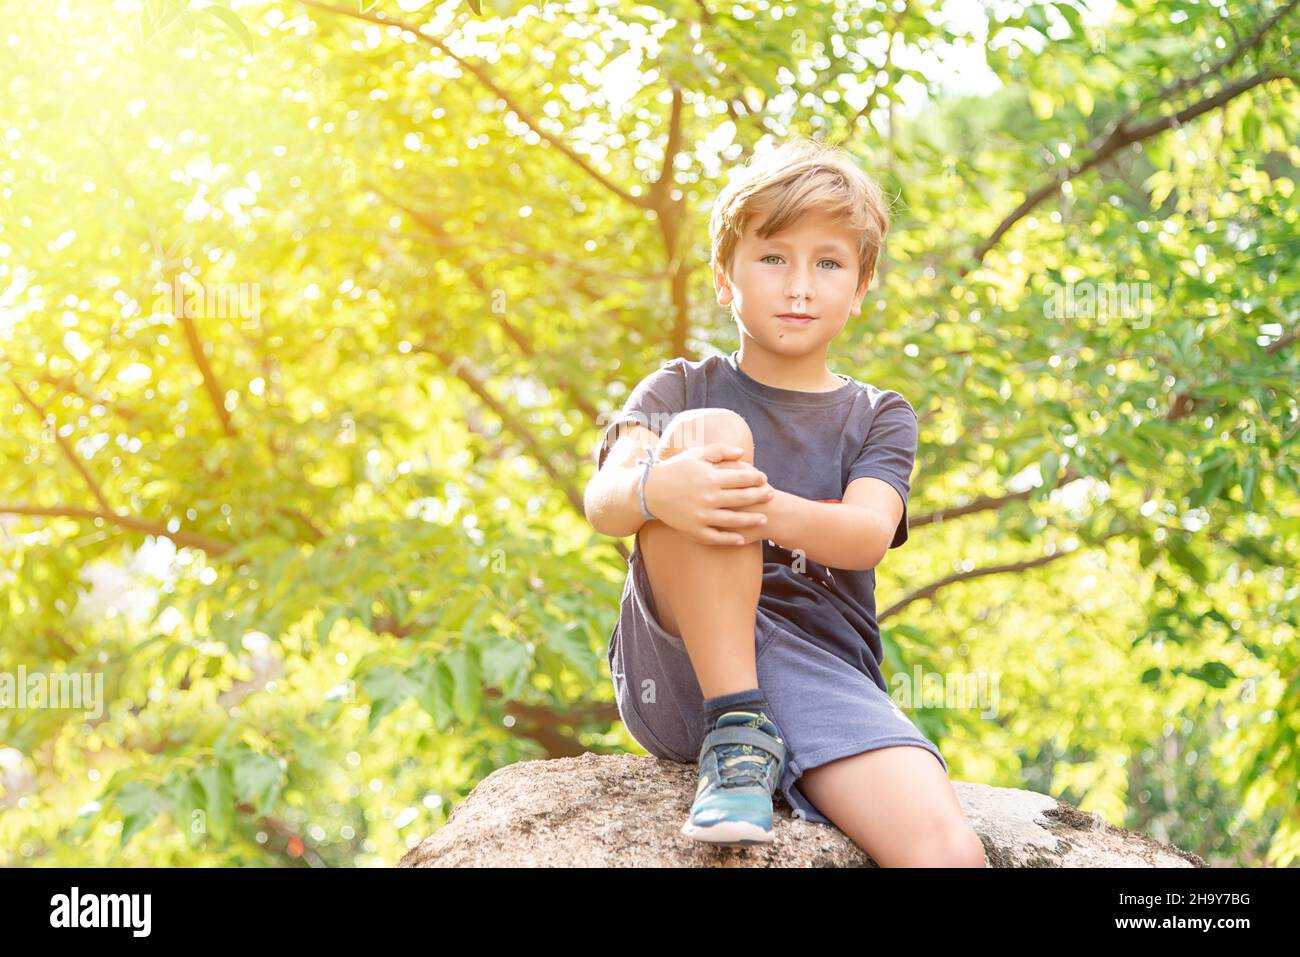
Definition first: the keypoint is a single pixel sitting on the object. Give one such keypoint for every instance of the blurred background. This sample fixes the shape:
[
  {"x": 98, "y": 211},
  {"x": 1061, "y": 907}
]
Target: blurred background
[{"x": 311, "y": 315}]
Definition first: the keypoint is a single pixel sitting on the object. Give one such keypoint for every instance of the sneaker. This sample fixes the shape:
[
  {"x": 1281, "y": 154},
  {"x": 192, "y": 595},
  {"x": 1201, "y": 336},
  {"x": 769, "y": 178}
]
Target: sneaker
[{"x": 741, "y": 761}]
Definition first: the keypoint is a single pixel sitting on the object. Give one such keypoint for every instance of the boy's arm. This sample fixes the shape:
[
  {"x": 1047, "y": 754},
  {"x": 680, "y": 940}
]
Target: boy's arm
[
  {"x": 612, "y": 502},
  {"x": 852, "y": 534}
]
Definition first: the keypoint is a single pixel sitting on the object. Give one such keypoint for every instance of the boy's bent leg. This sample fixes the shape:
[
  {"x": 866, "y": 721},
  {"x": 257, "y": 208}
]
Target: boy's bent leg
[
  {"x": 897, "y": 804},
  {"x": 706, "y": 594}
]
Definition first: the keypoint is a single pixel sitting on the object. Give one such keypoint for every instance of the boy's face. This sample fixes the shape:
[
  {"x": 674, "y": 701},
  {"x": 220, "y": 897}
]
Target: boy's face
[{"x": 811, "y": 267}]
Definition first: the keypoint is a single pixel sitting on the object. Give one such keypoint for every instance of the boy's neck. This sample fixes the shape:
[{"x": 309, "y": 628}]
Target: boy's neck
[{"x": 797, "y": 373}]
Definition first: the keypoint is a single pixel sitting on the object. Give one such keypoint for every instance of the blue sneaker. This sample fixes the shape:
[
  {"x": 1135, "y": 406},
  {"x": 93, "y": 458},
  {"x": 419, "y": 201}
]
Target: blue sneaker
[{"x": 741, "y": 761}]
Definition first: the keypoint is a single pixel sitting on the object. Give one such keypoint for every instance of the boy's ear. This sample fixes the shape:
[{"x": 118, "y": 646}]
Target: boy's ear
[
  {"x": 721, "y": 286},
  {"x": 861, "y": 293}
]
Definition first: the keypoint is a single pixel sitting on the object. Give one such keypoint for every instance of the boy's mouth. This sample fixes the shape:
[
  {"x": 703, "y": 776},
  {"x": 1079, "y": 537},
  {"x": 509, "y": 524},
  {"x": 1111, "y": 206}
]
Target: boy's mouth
[{"x": 799, "y": 318}]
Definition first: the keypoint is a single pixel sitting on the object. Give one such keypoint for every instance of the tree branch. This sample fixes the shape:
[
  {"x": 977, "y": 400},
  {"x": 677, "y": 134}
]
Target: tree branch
[
  {"x": 517, "y": 335},
  {"x": 1273, "y": 348},
  {"x": 1237, "y": 52},
  {"x": 660, "y": 193},
  {"x": 546, "y": 726},
  {"x": 69, "y": 385},
  {"x": 1115, "y": 139},
  {"x": 314, "y": 531},
  {"x": 929, "y": 590},
  {"x": 285, "y": 832},
  {"x": 69, "y": 453},
  {"x": 510, "y": 420},
  {"x": 215, "y": 392},
  {"x": 984, "y": 504},
  {"x": 480, "y": 74},
  {"x": 186, "y": 539},
  {"x": 878, "y": 88}
]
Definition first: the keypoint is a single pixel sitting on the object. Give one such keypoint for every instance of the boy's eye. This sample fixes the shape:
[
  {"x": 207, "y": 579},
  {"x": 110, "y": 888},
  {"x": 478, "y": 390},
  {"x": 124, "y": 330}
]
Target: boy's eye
[{"x": 775, "y": 256}]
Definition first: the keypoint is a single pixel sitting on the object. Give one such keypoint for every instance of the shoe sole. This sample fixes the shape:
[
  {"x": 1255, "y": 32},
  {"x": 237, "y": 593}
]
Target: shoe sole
[{"x": 729, "y": 832}]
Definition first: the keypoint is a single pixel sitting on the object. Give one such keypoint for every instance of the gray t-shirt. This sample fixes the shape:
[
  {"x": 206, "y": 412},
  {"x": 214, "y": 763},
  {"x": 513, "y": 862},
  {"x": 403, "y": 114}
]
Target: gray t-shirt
[{"x": 810, "y": 444}]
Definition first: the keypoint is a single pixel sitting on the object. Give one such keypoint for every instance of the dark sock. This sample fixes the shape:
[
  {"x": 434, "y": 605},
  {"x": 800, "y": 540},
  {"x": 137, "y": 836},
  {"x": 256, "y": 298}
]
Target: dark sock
[{"x": 751, "y": 699}]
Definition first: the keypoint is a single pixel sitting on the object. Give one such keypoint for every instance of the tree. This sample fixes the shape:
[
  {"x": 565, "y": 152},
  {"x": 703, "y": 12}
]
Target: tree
[{"x": 312, "y": 312}]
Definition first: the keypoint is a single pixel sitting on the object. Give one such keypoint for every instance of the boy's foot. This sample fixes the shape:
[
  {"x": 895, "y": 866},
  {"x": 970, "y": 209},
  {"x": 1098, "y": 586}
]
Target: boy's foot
[{"x": 741, "y": 761}]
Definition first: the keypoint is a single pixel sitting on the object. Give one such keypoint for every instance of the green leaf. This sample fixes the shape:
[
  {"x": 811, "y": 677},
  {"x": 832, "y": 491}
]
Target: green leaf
[
  {"x": 1161, "y": 184},
  {"x": 1182, "y": 554},
  {"x": 1249, "y": 478},
  {"x": 170, "y": 655},
  {"x": 1071, "y": 14},
  {"x": 1022, "y": 454},
  {"x": 1215, "y": 615},
  {"x": 1037, "y": 18},
  {"x": 232, "y": 22},
  {"x": 570, "y": 643},
  {"x": 388, "y": 688},
  {"x": 155, "y": 16},
  {"x": 467, "y": 691},
  {"x": 140, "y": 803},
  {"x": 327, "y": 624},
  {"x": 218, "y": 799},
  {"x": 1291, "y": 476},
  {"x": 1212, "y": 482},
  {"x": 893, "y": 655},
  {"x": 1049, "y": 465},
  {"x": 257, "y": 780},
  {"x": 451, "y": 613},
  {"x": 86, "y": 822},
  {"x": 397, "y": 600},
  {"x": 187, "y": 797},
  {"x": 505, "y": 665},
  {"x": 1214, "y": 673},
  {"x": 433, "y": 689},
  {"x": 1250, "y": 129},
  {"x": 226, "y": 629},
  {"x": 308, "y": 754}
]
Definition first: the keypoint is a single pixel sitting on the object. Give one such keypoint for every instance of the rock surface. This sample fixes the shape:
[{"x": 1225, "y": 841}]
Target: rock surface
[{"x": 625, "y": 810}]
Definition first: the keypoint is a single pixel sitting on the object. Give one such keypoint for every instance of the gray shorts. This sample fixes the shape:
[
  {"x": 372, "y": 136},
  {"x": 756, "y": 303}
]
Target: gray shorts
[{"x": 825, "y": 707}]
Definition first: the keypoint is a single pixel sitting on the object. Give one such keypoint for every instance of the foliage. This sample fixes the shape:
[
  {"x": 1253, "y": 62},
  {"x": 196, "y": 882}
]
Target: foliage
[{"x": 309, "y": 316}]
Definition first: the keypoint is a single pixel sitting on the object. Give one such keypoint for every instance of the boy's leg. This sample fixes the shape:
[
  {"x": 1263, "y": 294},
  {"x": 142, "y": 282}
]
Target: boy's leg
[
  {"x": 897, "y": 804},
  {"x": 707, "y": 595}
]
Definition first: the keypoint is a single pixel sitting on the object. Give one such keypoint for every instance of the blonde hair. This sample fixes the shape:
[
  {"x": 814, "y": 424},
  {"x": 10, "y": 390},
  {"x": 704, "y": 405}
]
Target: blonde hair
[{"x": 800, "y": 175}]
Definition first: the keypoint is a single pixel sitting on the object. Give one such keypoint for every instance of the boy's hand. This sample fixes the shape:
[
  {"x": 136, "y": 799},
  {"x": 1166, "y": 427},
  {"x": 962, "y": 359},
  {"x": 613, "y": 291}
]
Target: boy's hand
[
  {"x": 699, "y": 490},
  {"x": 758, "y": 531}
]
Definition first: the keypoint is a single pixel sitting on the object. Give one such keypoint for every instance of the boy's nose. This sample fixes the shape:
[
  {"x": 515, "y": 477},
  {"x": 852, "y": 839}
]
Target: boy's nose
[{"x": 800, "y": 288}]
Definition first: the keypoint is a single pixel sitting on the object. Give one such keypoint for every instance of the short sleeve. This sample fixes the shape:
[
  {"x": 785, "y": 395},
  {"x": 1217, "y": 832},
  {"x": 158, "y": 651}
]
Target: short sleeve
[
  {"x": 653, "y": 403},
  {"x": 889, "y": 452}
]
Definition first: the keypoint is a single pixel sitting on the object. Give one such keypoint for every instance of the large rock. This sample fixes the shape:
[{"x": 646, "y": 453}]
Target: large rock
[{"x": 625, "y": 810}]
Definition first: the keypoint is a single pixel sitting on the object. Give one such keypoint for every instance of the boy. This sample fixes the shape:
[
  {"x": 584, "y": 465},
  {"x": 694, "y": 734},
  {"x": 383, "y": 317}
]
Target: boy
[{"x": 763, "y": 490}]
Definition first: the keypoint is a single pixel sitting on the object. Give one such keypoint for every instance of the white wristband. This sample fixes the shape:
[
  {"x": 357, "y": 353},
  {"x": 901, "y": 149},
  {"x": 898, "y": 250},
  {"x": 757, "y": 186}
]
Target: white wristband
[{"x": 648, "y": 461}]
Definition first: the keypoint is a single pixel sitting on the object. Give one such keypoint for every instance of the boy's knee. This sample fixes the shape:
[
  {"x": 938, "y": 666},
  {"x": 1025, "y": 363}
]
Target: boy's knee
[
  {"x": 955, "y": 845},
  {"x": 703, "y": 427}
]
